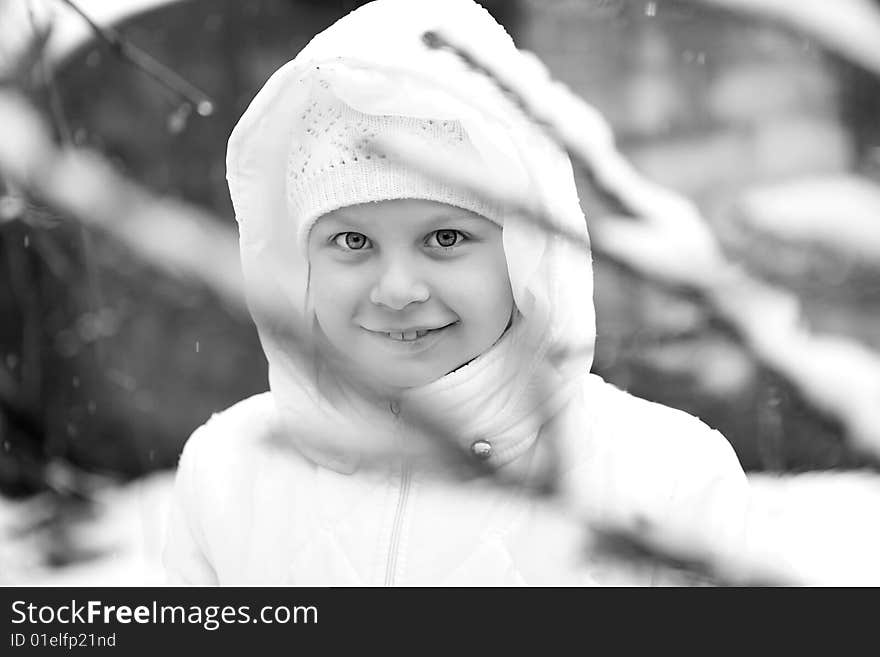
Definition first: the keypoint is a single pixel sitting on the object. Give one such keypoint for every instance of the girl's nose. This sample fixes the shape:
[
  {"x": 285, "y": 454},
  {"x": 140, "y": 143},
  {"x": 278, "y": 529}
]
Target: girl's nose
[{"x": 398, "y": 287}]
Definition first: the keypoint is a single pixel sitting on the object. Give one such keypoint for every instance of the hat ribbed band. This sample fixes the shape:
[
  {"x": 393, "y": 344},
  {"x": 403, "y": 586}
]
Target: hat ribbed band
[
  {"x": 329, "y": 166},
  {"x": 340, "y": 188}
]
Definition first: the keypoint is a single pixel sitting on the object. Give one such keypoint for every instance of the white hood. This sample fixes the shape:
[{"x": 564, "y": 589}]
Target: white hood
[{"x": 375, "y": 60}]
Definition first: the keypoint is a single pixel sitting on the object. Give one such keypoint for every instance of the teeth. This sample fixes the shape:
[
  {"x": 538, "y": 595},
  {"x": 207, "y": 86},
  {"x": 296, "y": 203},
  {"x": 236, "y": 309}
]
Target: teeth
[{"x": 407, "y": 336}]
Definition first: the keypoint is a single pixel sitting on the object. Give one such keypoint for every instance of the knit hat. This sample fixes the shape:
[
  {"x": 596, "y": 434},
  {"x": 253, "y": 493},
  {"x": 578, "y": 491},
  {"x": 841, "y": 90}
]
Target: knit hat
[{"x": 330, "y": 165}]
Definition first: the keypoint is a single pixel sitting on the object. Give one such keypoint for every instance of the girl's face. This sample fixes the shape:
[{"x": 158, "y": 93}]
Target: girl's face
[{"x": 408, "y": 290}]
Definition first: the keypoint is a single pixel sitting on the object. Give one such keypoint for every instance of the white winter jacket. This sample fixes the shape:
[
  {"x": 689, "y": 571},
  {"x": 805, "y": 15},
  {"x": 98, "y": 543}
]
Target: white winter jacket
[{"x": 294, "y": 486}]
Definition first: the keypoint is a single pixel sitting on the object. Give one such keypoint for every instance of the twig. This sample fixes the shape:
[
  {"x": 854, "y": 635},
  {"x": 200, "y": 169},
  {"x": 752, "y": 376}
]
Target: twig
[{"x": 146, "y": 63}]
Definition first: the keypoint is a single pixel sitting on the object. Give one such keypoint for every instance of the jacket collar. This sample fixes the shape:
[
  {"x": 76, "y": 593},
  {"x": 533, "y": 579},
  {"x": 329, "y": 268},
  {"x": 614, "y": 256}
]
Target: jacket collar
[{"x": 496, "y": 401}]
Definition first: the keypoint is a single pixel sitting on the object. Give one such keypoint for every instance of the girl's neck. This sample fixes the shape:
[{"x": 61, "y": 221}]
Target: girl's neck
[{"x": 346, "y": 389}]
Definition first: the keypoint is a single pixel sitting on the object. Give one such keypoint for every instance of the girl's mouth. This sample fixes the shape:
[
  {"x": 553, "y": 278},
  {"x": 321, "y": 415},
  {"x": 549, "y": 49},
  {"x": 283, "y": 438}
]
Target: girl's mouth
[{"x": 413, "y": 336}]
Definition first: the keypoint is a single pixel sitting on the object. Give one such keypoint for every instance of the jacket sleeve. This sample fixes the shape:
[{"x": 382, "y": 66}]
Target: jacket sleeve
[{"x": 184, "y": 556}]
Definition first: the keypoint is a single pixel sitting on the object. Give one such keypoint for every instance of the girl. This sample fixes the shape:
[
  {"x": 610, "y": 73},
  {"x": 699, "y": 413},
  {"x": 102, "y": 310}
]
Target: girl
[{"x": 412, "y": 322}]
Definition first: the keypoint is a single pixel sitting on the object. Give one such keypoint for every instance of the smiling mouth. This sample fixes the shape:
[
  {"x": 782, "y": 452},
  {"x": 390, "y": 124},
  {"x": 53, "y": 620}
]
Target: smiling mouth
[{"x": 411, "y": 336}]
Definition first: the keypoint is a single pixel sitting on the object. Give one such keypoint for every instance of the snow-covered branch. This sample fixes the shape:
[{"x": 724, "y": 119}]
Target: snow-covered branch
[
  {"x": 670, "y": 242},
  {"x": 170, "y": 234},
  {"x": 838, "y": 212}
]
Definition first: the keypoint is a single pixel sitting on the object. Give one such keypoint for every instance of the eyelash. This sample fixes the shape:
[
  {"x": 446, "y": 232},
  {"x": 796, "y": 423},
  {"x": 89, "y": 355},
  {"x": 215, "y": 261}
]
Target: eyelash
[{"x": 335, "y": 239}]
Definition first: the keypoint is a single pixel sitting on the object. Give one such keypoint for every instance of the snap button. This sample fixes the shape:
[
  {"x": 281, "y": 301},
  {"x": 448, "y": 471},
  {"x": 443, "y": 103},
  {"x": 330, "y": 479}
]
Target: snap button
[{"x": 482, "y": 449}]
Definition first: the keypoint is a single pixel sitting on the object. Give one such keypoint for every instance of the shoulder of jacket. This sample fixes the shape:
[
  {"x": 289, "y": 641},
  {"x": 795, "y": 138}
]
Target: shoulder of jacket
[
  {"x": 225, "y": 460},
  {"x": 655, "y": 430},
  {"x": 650, "y": 461},
  {"x": 229, "y": 436}
]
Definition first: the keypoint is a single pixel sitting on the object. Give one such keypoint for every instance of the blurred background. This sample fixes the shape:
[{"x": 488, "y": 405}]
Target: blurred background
[{"x": 108, "y": 362}]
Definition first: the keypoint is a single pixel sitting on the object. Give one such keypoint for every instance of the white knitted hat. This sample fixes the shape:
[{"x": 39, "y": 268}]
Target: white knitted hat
[{"x": 329, "y": 165}]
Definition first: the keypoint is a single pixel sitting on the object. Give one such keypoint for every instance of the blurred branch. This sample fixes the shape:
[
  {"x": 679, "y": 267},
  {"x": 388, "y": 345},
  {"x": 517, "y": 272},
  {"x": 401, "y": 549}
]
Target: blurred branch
[
  {"x": 62, "y": 126},
  {"x": 23, "y": 39},
  {"x": 850, "y": 28},
  {"x": 670, "y": 242},
  {"x": 835, "y": 212},
  {"x": 146, "y": 63},
  {"x": 12, "y": 204},
  {"x": 824, "y": 522},
  {"x": 181, "y": 239},
  {"x": 84, "y": 185},
  {"x": 637, "y": 546}
]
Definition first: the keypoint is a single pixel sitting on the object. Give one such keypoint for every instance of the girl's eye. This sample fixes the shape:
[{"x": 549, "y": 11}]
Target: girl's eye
[
  {"x": 351, "y": 241},
  {"x": 445, "y": 237}
]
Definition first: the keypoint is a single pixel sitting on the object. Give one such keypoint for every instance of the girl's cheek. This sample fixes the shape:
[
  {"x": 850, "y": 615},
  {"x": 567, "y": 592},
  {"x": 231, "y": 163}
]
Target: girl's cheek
[
  {"x": 337, "y": 277},
  {"x": 482, "y": 274}
]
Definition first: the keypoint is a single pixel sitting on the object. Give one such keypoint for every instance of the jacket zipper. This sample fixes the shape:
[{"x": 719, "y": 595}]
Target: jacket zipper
[{"x": 397, "y": 525}]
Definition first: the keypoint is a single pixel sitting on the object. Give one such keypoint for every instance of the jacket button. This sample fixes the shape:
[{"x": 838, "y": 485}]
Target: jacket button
[{"x": 482, "y": 449}]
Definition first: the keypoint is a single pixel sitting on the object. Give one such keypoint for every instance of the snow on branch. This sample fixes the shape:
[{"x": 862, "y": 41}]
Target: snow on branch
[
  {"x": 87, "y": 187},
  {"x": 667, "y": 240},
  {"x": 840, "y": 212}
]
